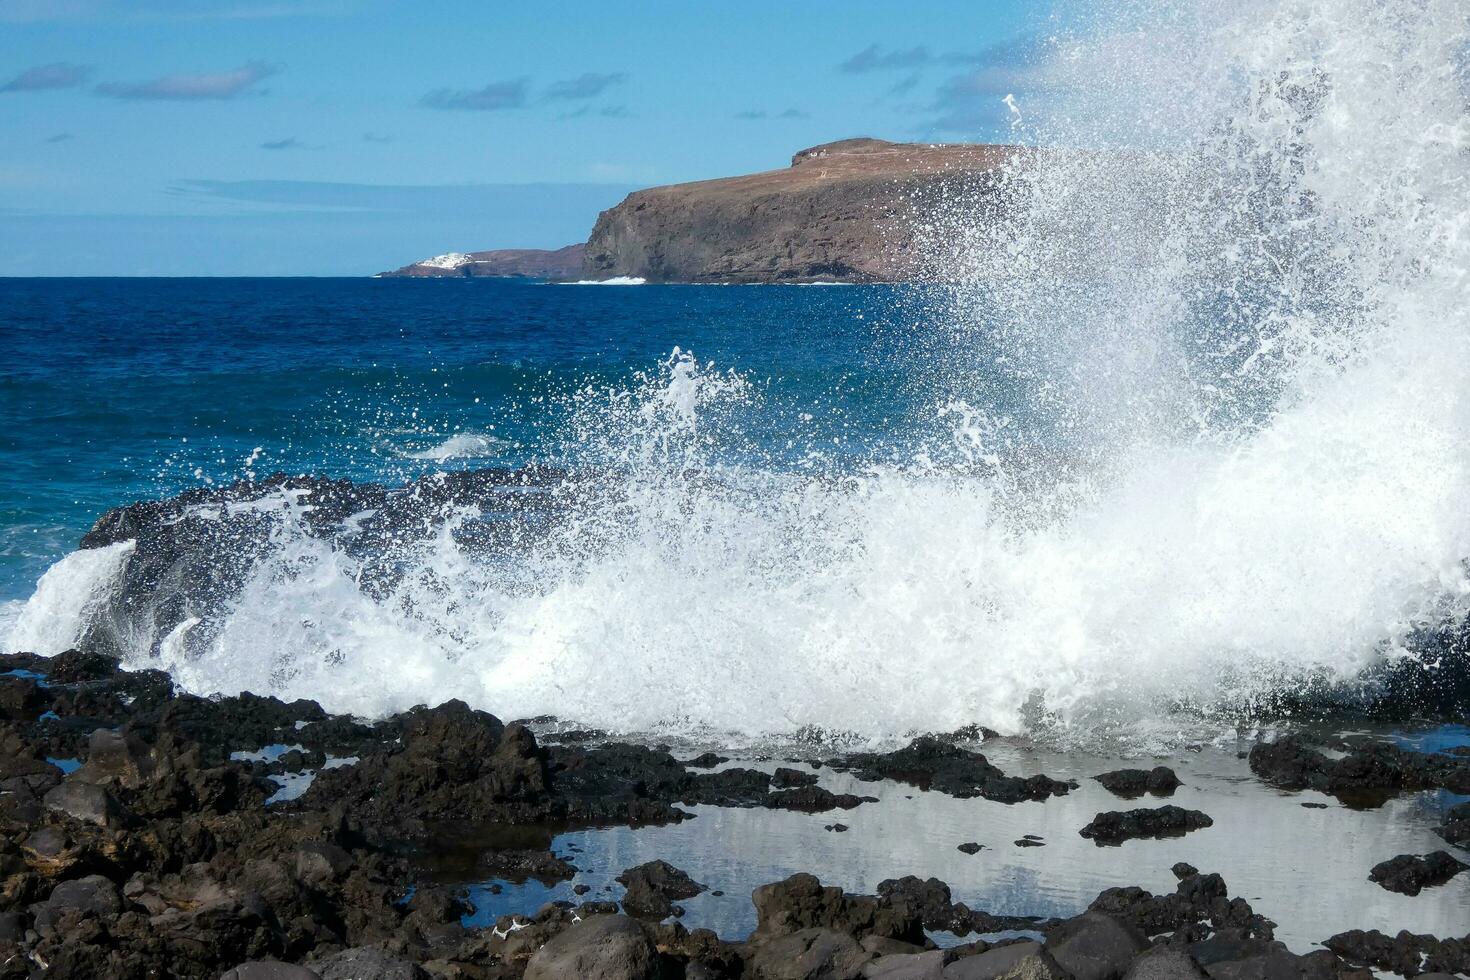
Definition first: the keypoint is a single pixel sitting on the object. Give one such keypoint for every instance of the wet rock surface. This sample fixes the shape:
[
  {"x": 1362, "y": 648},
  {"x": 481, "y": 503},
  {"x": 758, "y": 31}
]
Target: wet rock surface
[
  {"x": 1133, "y": 783},
  {"x": 1116, "y": 826},
  {"x": 1409, "y": 874},
  {"x": 938, "y": 764},
  {"x": 1363, "y": 775},
  {"x": 157, "y": 856}
]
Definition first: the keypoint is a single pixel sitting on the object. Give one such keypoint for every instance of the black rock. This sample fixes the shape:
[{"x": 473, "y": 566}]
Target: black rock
[
  {"x": 1367, "y": 776},
  {"x": 801, "y": 902},
  {"x": 1115, "y": 826},
  {"x": 1199, "y": 906},
  {"x": 935, "y": 763},
  {"x": 706, "y": 761},
  {"x": 1132, "y": 783},
  {"x": 970, "y": 847},
  {"x": 367, "y": 963},
  {"x": 652, "y": 887},
  {"x": 791, "y": 778},
  {"x": 1406, "y": 954},
  {"x": 1095, "y": 945},
  {"x": 1408, "y": 874},
  {"x": 612, "y": 947}
]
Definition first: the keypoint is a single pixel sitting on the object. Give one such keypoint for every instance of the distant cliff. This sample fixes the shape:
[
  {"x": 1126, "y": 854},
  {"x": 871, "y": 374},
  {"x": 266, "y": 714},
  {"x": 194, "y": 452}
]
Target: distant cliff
[
  {"x": 563, "y": 263},
  {"x": 842, "y": 211}
]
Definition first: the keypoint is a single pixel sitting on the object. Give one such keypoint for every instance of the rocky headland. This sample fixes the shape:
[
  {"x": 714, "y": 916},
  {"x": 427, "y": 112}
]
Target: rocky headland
[
  {"x": 504, "y": 263},
  {"x": 849, "y": 211}
]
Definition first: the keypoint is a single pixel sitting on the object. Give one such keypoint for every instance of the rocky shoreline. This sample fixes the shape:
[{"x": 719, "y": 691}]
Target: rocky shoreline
[{"x": 147, "y": 832}]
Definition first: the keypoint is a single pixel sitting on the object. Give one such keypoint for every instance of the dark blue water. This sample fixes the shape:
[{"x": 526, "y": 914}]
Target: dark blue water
[{"x": 121, "y": 389}]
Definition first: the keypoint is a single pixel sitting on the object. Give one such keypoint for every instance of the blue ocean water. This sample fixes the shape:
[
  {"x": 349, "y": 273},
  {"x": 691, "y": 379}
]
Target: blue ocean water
[{"x": 116, "y": 390}]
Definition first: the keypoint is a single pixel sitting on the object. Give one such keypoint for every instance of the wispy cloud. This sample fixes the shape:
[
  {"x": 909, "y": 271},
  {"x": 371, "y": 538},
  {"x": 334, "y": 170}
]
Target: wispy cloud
[
  {"x": 510, "y": 94},
  {"x": 588, "y": 85},
  {"x": 376, "y": 138},
  {"x": 763, "y": 114},
  {"x": 289, "y": 143},
  {"x": 604, "y": 112},
  {"x": 905, "y": 85},
  {"x": 58, "y": 74},
  {"x": 189, "y": 88},
  {"x": 875, "y": 58},
  {"x": 974, "y": 101},
  {"x": 58, "y": 138}
]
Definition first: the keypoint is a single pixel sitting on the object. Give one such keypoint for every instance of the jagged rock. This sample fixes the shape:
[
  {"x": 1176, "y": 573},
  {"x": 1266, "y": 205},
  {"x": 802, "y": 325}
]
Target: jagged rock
[
  {"x": 1367, "y": 775},
  {"x": 784, "y": 778},
  {"x": 970, "y": 847},
  {"x": 269, "y": 970},
  {"x": 93, "y": 894},
  {"x": 1232, "y": 957},
  {"x": 1164, "y": 963},
  {"x": 801, "y": 902},
  {"x": 1018, "y": 961},
  {"x": 932, "y": 763},
  {"x": 603, "y": 947},
  {"x": 1199, "y": 906},
  {"x": 807, "y": 954},
  {"x": 367, "y": 963},
  {"x": 1132, "y": 783},
  {"x": 86, "y": 802},
  {"x": 1407, "y": 954},
  {"x": 1115, "y": 826},
  {"x": 906, "y": 966},
  {"x": 707, "y": 760},
  {"x": 1095, "y": 946},
  {"x": 115, "y": 758},
  {"x": 652, "y": 887},
  {"x": 1408, "y": 874}
]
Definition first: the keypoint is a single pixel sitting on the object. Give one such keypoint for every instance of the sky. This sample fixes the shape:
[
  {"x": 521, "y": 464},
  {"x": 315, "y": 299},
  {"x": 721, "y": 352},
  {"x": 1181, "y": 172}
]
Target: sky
[{"x": 344, "y": 137}]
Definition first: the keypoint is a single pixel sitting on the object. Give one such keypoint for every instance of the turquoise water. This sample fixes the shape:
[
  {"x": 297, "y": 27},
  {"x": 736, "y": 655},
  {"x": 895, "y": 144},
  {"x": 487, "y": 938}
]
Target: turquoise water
[{"x": 116, "y": 390}]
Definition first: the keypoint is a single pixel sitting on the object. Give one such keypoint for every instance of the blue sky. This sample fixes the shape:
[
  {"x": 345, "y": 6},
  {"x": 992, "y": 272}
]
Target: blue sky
[{"x": 341, "y": 137}]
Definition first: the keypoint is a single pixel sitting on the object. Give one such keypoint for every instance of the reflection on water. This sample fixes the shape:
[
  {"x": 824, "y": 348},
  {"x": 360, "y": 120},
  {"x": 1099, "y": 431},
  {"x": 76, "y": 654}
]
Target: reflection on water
[{"x": 1305, "y": 868}]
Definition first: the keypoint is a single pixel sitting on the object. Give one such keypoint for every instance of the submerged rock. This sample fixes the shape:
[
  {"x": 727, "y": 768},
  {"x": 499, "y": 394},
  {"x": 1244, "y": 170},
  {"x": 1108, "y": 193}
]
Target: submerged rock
[
  {"x": 1114, "y": 826},
  {"x": 1408, "y": 874}
]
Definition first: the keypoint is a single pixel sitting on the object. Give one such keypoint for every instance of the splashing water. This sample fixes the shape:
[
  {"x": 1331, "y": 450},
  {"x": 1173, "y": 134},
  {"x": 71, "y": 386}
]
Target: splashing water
[{"x": 1231, "y": 295}]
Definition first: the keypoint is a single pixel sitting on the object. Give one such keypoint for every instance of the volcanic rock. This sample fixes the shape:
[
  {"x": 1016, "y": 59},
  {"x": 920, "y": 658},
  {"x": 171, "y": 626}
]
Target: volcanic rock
[
  {"x": 1367, "y": 775},
  {"x": 937, "y": 764},
  {"x": 604, "y": 947},
  {"x": 1132, "y": 783},
  {"x": 1114, "y": 826},
  {"x": 1095, "y": 946},
  {"x": 801, "y": 902},
  {"x": 1408, "y": 874},
  {"x": 652, "y": 887}
]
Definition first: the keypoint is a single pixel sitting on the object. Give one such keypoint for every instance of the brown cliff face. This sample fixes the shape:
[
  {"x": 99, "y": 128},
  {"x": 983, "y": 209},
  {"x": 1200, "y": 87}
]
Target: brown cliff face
[
  {"x": 534, "y": 263},
  {"x": 844, "y": 211}
]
